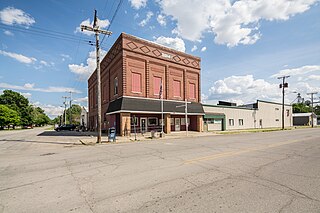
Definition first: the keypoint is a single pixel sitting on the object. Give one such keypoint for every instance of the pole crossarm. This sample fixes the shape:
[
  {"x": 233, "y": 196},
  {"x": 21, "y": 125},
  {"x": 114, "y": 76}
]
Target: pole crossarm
[{"x": 96, "y": 30}]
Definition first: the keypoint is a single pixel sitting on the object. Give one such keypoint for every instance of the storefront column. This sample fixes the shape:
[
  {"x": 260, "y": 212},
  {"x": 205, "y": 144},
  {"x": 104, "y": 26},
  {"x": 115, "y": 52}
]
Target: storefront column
[
  {"x": 167, "y": 121},
  {"x": 199, "y": 123},
  {"x": 125, "y": 124}
]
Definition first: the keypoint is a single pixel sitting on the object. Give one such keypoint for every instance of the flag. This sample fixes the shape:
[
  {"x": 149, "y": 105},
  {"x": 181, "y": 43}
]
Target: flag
[{"x": 160, "y": 91}]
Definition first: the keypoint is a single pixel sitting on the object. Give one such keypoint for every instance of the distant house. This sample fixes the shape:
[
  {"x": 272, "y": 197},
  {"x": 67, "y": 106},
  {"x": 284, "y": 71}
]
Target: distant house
[{"x": 304, "y": 119}]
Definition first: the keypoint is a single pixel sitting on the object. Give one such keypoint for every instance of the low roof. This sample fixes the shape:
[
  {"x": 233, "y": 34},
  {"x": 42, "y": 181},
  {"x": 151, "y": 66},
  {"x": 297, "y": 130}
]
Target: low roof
[
  {"x": 144, "y": 105},
  {"x": 302, "y": 114}
]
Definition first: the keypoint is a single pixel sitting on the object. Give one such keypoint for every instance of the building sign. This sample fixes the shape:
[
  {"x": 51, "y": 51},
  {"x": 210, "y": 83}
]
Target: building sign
[{"x": 165, "y": 55}]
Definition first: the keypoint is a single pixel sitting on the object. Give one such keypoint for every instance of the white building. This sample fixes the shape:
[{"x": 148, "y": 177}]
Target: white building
[
  {"x": 262, "y": 114},
  {"x": 304, "y": 119}
]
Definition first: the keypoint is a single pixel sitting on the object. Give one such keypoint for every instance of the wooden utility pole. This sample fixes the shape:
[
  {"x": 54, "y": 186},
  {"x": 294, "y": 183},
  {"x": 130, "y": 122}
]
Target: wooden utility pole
[
  {"x": 97, "y": 31},
  {"x": 65, "y": 109},
  {"x": 70, "y": 113},
  {"x": 283, "y": 85}
]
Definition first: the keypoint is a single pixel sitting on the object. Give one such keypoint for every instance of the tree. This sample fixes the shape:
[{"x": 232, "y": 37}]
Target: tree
[
  {"x": 75, "y": 112},
  {"x": 8, "y": 116},
  {"x": 39, "y": 118},
  {"x": 18, "y": 103},
  {"x": 317, "y": 109},
  {"x": 300, "y": 108}
]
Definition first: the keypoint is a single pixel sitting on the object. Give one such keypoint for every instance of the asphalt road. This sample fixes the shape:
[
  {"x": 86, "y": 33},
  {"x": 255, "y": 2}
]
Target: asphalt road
[{"x": 256, "y": 172}]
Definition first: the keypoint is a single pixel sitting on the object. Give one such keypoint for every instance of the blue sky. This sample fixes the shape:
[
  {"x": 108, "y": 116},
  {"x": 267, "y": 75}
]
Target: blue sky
[{"x": 244, "y": 45}]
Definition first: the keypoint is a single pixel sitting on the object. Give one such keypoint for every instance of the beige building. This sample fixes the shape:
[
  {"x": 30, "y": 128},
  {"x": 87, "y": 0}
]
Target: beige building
[{"x": 262, "y": 114}]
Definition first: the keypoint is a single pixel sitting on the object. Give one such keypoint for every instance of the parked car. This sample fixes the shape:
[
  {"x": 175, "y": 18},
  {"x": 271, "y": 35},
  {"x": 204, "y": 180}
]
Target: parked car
[{"x": 69, "y": 127}]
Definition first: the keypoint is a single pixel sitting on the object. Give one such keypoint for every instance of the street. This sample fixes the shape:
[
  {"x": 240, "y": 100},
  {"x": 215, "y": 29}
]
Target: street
[{"x": 250, "y": 172}]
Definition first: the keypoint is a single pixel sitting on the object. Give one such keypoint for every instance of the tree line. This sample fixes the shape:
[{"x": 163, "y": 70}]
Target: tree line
[
  {"x": 305, "y": 107},
  {"x": 16, "y": 110}
]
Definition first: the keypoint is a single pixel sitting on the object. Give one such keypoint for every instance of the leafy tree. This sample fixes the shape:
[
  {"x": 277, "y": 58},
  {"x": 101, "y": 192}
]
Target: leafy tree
[
  {"x": 300, "y": 108},
  {"x": 317, "y": 109},
  {"x": 18, "y": 103},
  {"x": 8, "y": 116},
  {"x": 75, "y": 112},
  {"x": 39, "y": 118}
]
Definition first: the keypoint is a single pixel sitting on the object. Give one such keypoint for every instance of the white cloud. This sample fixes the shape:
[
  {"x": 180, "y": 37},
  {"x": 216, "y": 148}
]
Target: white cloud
[
  {"x": 51, "y": 110},
  {"x": 194, "y": 48},
  {"x": 203, "y": 49},
  {"x": 243, "y": 89},
  {"x": 11, "y": 16},
  {"x": 26, "y": 94},
  {"x": 8, "y": 33},
  {"x": 230, "y": 22},
  {"x": 297, "y": 71},
  {"x": 84, "y": 71},
  {"x": 314, "y": 77},
  {"x": 30, "y": 87},
  {"x": 101, "y": 23},
  {"x": 145, "y": 21},
  {"x": 81, "y": 100},
  {"x": 175, "y": 43},
  {"x": 137, "y": 4},
  {"x": 161, "y": 20},
  {"x": 19, "y": 57}
]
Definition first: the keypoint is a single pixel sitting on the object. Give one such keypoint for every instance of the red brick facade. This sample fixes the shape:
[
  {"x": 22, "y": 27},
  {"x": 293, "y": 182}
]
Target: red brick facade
[{"x": 146, "y": 62}]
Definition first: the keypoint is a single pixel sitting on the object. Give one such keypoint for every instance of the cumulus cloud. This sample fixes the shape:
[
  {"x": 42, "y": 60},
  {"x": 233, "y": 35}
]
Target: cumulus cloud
[
  {"x": 231, "y": 22},
  {"x": 31, "y": 87},
  {"x": 243, "y": 89},
  {"x": 175, "y": 43},
  {"x": 102, "y": 24},
  {"x": 137, "y": 4},
  {"x": 81, "y": 100},
  {"x": 145, "y": 21},
  {"x": 161, "y": 20},
  {"x": 12, "y": 16},
  {"x": 51, "y": 110},
  {"x": 297, "y": 71},
  {"x": 19, "y": 57},
  {"x": 65, "y": 56},
  {"x": 314, "y": 77},
  {"x": 203, "y": 49},
  {"x": 84, "y": 71},
  {"x": 8, "y": 33}
]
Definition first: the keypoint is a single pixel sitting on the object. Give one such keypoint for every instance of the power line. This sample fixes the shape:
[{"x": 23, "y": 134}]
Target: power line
[{"x": 112, "y": 19}]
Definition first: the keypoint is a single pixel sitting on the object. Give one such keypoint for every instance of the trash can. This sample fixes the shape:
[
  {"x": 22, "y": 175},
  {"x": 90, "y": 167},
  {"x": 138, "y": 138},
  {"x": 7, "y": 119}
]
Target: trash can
[{"x": 111, "y": 134}]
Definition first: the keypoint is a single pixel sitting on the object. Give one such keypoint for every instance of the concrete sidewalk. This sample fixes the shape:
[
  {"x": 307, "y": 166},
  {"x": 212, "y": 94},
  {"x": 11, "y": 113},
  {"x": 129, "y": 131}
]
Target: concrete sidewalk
[{"x": 145, "y": 137}]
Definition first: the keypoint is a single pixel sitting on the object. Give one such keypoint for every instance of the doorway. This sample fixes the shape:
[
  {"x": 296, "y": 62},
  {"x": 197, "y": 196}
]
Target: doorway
[
  {"x": 143, "y": 125},
  {"x": 177, "y": 124}
]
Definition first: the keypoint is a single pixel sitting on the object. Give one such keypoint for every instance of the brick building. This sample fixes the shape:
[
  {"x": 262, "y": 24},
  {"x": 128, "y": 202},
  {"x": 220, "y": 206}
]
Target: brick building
[{"x": 131, "y": 75}]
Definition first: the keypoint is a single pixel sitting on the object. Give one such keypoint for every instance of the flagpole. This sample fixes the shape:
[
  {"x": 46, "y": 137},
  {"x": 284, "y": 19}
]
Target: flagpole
[{"x": 162, "y": 110}]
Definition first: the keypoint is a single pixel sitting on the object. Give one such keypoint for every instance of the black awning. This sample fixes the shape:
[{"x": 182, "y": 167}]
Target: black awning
[{"x": 127, "y": 104}]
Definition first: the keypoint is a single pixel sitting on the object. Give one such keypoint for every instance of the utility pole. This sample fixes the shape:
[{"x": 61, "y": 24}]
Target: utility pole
[
  {"x": 97, "y": 31},
  {"x": 283, "y": 85},
  {"x": 312, "y": 111},
  {"x": 70, "y": 107},
  {"x": 65, "y": 109}
]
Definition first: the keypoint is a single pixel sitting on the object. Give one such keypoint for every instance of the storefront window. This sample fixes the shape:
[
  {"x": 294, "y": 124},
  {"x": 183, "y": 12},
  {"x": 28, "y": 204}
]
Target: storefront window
[{"x": 152, "y": 121}]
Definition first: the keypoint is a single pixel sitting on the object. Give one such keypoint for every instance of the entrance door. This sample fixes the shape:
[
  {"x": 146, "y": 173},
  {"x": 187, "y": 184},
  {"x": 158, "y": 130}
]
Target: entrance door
[
  {"x": 177, "y": 124},
  {"x": 143, "y": 125}
]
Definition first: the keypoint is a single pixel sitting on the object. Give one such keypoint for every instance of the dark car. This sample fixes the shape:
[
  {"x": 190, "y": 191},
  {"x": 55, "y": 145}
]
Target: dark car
[{"x": 69, "y": 127}]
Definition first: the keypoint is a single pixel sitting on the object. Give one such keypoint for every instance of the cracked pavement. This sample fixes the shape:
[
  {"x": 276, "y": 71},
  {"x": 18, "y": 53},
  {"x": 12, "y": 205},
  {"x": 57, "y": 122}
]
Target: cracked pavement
[{"x": 256, "y": 172}]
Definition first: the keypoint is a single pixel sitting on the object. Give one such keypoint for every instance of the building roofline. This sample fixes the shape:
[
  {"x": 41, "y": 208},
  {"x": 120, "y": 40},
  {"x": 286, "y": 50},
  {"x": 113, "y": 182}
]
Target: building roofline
[
  {"x": 233, "y": 107},
  {"x": 270, "y": 102},
  {"x": 125, "y": 35}
]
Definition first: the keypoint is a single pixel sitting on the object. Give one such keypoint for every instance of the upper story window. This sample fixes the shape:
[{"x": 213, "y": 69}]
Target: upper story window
[
  {"x": 115, "y": 83},
  {"x": 240, "y": 122},
  {"x": 192, "y": 91},
  {"x": 176, "y": 88},
  {"x": 136, "y": 82},
  {"x": 156, "y": 85}
]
